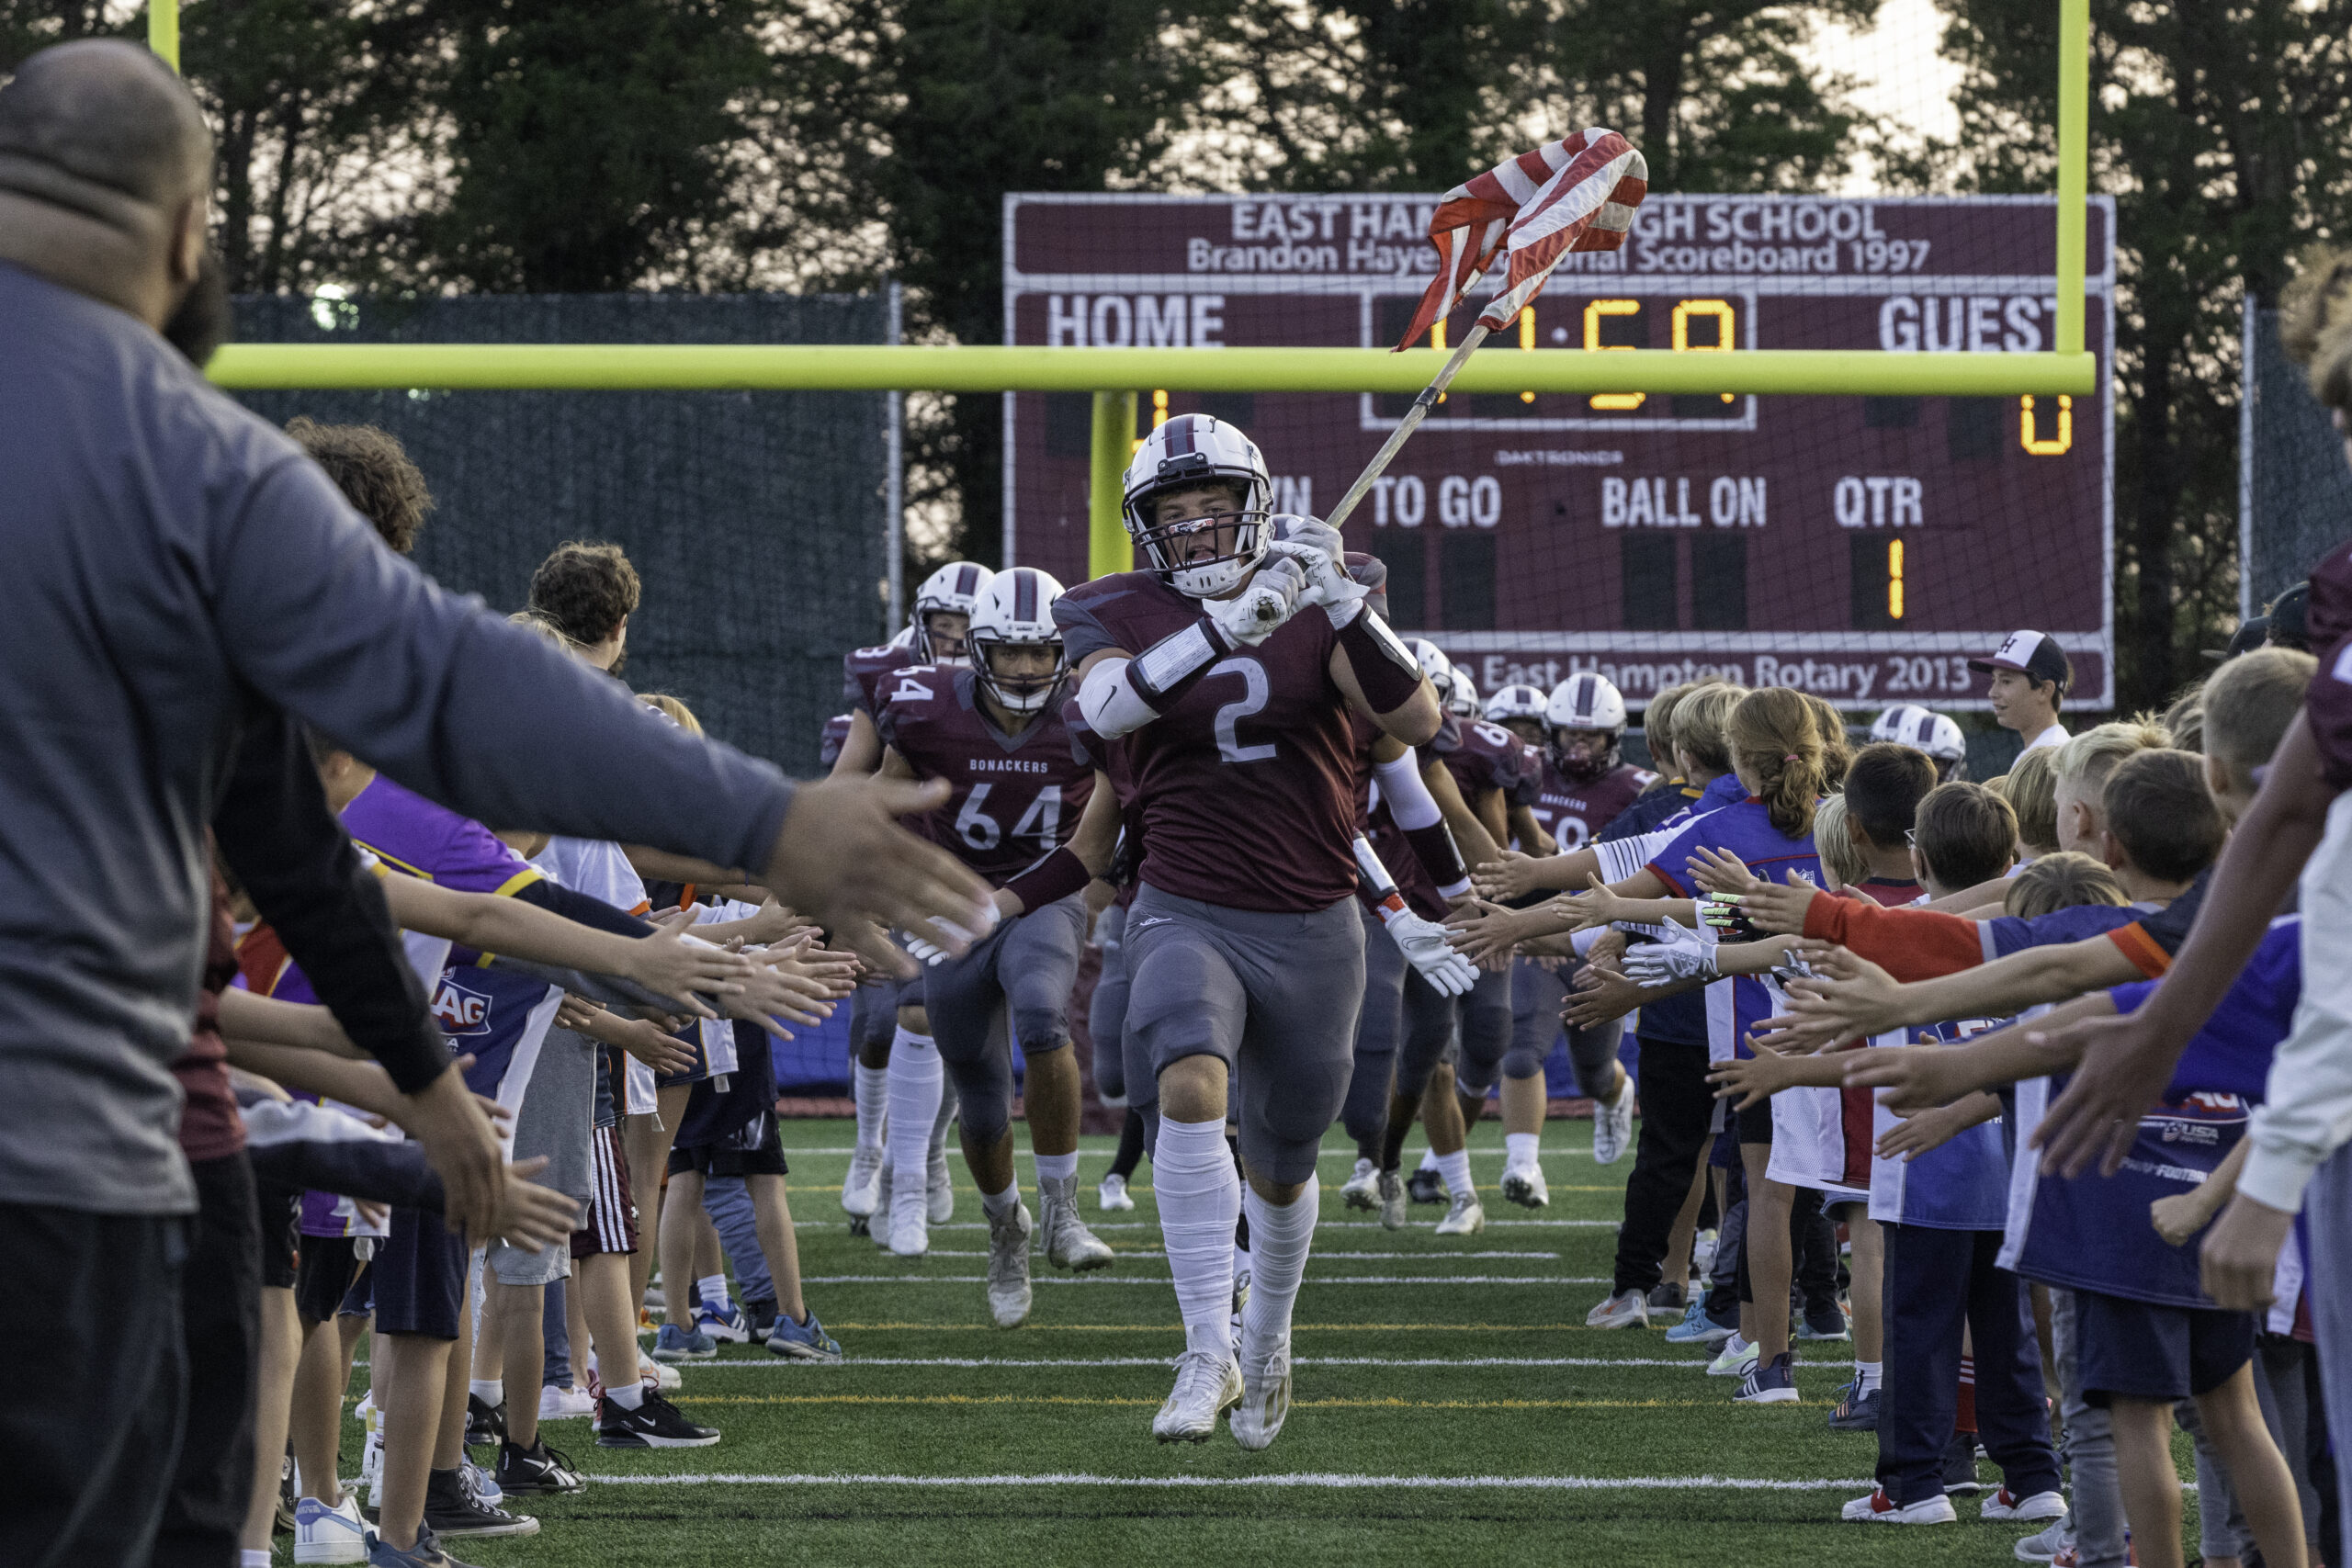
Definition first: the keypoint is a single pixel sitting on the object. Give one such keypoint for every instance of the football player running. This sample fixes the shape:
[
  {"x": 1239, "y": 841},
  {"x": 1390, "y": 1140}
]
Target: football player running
[
  {"x": 1038, "y": 824},
  {"x": 1226, "y": 671}
]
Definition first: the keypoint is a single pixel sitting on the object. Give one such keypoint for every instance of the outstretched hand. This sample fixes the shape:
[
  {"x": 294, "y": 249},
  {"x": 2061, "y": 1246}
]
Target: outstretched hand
[
  {"x": 2124, "y": 1068},
  {"x": 841, "y": 858}
]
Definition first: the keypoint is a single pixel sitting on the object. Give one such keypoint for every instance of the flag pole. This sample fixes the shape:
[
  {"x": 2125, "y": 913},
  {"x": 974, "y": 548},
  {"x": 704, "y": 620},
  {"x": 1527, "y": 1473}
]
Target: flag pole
[{"x": 1424, "y": 401}]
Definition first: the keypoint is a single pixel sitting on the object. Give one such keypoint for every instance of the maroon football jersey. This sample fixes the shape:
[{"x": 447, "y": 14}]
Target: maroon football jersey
[
  {"x": 1017, "y": 797},
  {"x": 1573, "y": 813},
  {"x": 1246, "y": 784},
  {"x": 2328, "y": 619},
  {"x": 835, "y": 737},
  {"x": 1483, "y": 756},
  {"x": 864, "y": 668}
]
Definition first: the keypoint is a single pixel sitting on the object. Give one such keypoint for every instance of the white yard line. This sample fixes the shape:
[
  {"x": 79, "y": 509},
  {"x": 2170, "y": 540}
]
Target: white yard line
[
  {"x": 1327, "y": 1253},
  {"x": 1320, "y": 1225},
  {"x": 1163, "y": 1279},
  {"x": 1690, "y": 1363},
  {"x": 1306, "y": 1481}
]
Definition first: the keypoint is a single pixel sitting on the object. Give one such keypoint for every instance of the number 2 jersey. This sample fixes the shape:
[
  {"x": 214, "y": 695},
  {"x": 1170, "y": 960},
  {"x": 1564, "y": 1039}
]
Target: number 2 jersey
[
  {"x": 1017, "y": 797},
  {"x": 1245, "y": 785}
]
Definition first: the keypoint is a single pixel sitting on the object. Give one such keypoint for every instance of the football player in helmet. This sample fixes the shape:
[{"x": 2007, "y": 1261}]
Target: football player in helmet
[
  {"x": 1226, "y": 670},
  {"x": 1938, "y": 735},
  {"x": 1520, "y": 710}
]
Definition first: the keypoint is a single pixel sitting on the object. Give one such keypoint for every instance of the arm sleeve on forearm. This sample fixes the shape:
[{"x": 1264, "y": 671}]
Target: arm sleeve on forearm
[
  {"x": 374, "y": 1173},
  {"x": 1059, "y": 876},
  {"x": 299, "y": 867},
  {"x": 1910, "y": 944},
  {"x": 583, "y": 909},
  {"x": 447, "y": 699}
]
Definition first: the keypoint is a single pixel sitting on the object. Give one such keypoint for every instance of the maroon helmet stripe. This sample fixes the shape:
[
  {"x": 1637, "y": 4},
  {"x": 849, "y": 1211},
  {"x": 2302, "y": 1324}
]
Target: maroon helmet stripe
[
  {"x": 1180, "y": 436},
  {"x": 1025, "y": 595},
  {"x": 966, "y": 579}
]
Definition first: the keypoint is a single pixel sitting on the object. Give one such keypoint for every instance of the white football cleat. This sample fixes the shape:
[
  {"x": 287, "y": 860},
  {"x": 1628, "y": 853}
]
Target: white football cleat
[
  {"x": 862, "y": 1188},
  {"x": 1392, "y": 1200},
  {"x": 1265, "y": 1402},
  {"x": 1878, "y": 1508},
  {"x": 1627, "y": 1309},
  {"x": 1207, "y": 1382},
  {"x": 939, "y": 1192},
  {"x": 909, "y": 1226},
  {"x": 878, "y": 1224},
  {"x": 1361, "y": 1189},
  {"x": 1069, "y": 1244},
  {"x": 1612, "y": 1122},
  {"x": 1524, "y": 1185},
  {"x": 1112, "y": 1195},
  {"x": 1009, "y": 1295},
  {"x": 1464, "y": 1216}
]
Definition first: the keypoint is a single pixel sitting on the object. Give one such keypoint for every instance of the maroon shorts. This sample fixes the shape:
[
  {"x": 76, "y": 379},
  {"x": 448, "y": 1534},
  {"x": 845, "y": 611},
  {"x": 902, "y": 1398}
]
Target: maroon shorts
[{"x": 612, "y": 1215}]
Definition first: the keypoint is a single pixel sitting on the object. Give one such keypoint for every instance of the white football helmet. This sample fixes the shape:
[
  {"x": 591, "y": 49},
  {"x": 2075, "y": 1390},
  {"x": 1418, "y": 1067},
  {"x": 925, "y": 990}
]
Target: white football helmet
[
  {"x": 1519, "y": 704},
  {"x": 1936, "y": 734},
  {"x": 1892, "y": 724},
  {"x": 1433, "y": 661},
  {"x": 954, "y": 588},
  {"x": 1016, "y": 610},
  {"x": 1461, "y": 698},
  {"x": 1588, "y": 704},
  {"x": 1189, "y": 451}
]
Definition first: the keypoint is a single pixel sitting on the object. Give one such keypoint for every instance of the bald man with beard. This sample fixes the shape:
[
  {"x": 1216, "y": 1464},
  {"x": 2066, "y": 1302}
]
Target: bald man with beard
[{"x": 183, "y": 580}]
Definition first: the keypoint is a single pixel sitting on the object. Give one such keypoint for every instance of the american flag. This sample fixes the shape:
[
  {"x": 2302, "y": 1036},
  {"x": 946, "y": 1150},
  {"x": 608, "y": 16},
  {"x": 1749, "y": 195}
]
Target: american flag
[{"x": 1577, "y": 194}]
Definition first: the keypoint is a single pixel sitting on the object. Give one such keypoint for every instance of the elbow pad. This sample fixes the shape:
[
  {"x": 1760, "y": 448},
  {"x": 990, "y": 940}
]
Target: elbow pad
[{"x": 1120, "y": 696}]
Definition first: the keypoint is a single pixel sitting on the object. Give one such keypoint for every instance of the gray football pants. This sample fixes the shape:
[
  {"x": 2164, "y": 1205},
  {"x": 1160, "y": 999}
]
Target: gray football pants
[
  {"x": 1106, "y": 1013},
  {"x": 1020, "y": 974},
  {"x": 1537, "y": 995}
]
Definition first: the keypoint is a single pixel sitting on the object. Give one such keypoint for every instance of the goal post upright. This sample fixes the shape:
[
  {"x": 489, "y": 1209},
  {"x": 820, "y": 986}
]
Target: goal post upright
[{"x": 2074, "y": 171}]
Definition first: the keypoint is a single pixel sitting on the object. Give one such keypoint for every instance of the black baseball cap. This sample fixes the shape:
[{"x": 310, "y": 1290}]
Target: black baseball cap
[
  {"x": 2035, "y": 655},
  {"x": 2287, "y": 619}
]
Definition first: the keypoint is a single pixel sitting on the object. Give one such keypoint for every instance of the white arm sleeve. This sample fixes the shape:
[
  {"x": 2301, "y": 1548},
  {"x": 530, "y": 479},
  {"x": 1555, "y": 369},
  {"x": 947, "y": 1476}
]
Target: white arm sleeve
[
  {"x": 1409, "y": 801},
  {"x": 1110, "y": 702},
  {"x": 1620, "y": 858}
]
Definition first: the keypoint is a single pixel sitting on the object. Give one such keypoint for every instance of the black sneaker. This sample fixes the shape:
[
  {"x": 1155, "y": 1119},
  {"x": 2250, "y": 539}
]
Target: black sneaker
[
  {"x": 485, "y": 1423},
  {"x": 762, "y": 1316},
  {"x": 450, "y": 1509},
  {"x": 1665, "y": 1297},
  {"x": 536, "y": 1469},
  {"x": 656, "y": 1424},
  {"x": 1959, "y": 1466},
  {"x": 1857, "y": 1413},
  {"x": 1425, "y": 1187}
]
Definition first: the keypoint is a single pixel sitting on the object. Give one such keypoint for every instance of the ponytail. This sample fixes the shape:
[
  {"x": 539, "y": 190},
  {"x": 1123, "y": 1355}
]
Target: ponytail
[{"x": 1772, "y": 735}]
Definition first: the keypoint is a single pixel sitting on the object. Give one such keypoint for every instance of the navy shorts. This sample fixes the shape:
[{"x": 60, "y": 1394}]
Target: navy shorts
[
  {"x": 2141, "y": 1351},
  {"x": 1755, "y": 1123},
  {"x": 419, "y": 1275},
  {"x": 323, "y": 1277}
]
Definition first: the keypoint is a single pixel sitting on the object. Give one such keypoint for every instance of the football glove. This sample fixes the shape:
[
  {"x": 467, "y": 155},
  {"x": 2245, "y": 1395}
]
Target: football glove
[
  {"x": 1252, "y": 616},
  {"x": 1424, "y": 946},
  {"x": 1679, "y": 956},
  {"x": 1328, "y": 582}
]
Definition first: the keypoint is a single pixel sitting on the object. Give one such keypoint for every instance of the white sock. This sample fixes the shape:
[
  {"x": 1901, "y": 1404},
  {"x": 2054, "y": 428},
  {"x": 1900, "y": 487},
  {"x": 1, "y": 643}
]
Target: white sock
[
  {"x": 1278, "y": 1242},
  {"x": 1060, "y": 1167},
  {"x": 948, "y": 1100},
  {"x": 1428, "y": 1160},
  {"x": 1200, "y": 1198},
  {"x": 915, "y": 1076},
  {"x": 873, "y": 1103},
  {"x": 995, "y": 1205},
  {"x": 1866, "y": 1378},
  {"x": 1519, "y": 1149},
  {"x": 1456, "y": 1169},
  {"x": 249, "y": 1558},
  {"x": 490, "y": 1391},
  {"x": 714, "y": 1293},
  {"x": 628, "y": 1395}
]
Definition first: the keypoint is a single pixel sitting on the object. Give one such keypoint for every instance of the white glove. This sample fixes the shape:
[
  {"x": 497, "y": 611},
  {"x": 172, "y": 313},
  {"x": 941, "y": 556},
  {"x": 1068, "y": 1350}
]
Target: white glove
[
  {"x": 1252, "y": 616},
  {"x": 929, "y": 952},
  {"x": 1682, "y": 955},
  {"x": 1291, "y": 529},
  {"x": 1328, "y": 582},
  {"x": 920, "y": 949},
  {"x": 1424, "y": 946}
]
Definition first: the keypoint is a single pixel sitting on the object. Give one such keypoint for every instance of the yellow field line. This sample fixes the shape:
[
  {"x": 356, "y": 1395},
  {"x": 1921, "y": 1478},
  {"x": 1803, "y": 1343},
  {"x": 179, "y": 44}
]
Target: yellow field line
[{"x": 1296, "y": 1404}]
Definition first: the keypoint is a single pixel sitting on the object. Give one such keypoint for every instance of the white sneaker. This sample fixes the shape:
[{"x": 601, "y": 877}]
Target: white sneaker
[
  {"x": 1462, "y": 1216},
  {"x": 1737, "y": 1359},
  {"x": 1007, "y": 1283},
  {"x": 1878, "y": 1508},
  {"x": 565, "y": 1403},
  {"x": 330, "y": 1535},
  {"x": 1703, "y": 1253},
  {"x": 1524, "y": 1185},
  {"x": 1392, "y": 1200},
  {"x": 2039, "y": 1508},
  {"x": 1361, "y": 1190},
  {"x": 663, "y": 1377},
  {"x": 1112, "y": 1195},
  {"x": 1627, "y": 1309},
  {"x": 1069, "y": 1244},
  {"x": 2046, "y": 1543},
  {"x": 1265, "y": 1401},
  {"x": 1206, "y": 1384},
  {"x": 1612, "y": 1122},
  {"x": 938, "y": 1190},
  {"x": 862, "y": 1188}
]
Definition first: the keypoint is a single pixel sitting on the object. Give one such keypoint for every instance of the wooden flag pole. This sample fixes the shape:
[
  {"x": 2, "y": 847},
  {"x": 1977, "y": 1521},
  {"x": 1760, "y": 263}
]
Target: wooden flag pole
[{"x": 1424, "y": 401}]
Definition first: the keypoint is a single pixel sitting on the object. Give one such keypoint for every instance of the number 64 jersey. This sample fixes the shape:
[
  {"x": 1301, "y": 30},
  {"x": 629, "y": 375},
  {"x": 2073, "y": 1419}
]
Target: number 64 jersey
[{"x": 1017, "y": 797}]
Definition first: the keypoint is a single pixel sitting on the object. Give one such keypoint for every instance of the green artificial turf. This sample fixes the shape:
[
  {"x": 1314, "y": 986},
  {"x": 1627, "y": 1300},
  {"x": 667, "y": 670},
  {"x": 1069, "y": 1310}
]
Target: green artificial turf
[{"x": 851, "y": 1464}]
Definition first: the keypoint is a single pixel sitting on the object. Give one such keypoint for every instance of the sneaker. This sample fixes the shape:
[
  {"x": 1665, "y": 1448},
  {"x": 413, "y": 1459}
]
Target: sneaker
[
  {"x": 2044, "y": 1545},
  {"x": 452, "y": 1509},
  {"x": 2037, "y": 1509},
  {"x": 1737, "y": 1359},
  {"x": 1265, "y": 1400},
  {"x": 676, "y": 1344},
  {"x": 1698, "y": 1328},
  {"x": 1703, "y": 1253},
  {"x": 1959, "y": 1466},
  {"x": 762, "y": 1316},
  {"x": 1008, "y": 1276},
  {"x": 1524, "y": 1185},
  {"x": 1855, "y": 1413},
  {"x": 1772, "y": 1384},
  {"x": 1392, "y": 1200},
  {"x": 1626, "y": 1309},
  {"x": 1426, "y": 1186},
  {"x": 1111, "y": 1196},
  {"x": 645, "y": 1326},
  {"x": 371, "y": 1452},
  {"x": 1878, "y": 1508},
  {"x": 726, "y": 1327},
  {"x": 537, "y": 1469},
  {"x": 1827, "y": 1325},
  {"x": 425, "y": 1553},
  {"x": 485, "y": 1426},
  {"x": 1069, "y": 1244},
  {"x": 939, "y": 1193},
  {"x": 559, "y": 1404},
  {"x": 862, "y": 1188},
  {"x": 287, "y": 1498},
  {"x": 655, "y": 1424},
  {"x": 1361, "y": 1189},
  {"x": 1666, "y": 1299},
  {"x": 803, "y": 1341},
  {"x": 661, "y": 1377},
  {"x": 2072, "y": 1556},
  {"x": 479, "y": 1484},
  {"x": 1612, "y": 1122},
  {"x": 330, "y": 1535},
  {"x": 1464, "y": 1216},
  {"x": 1206, "y": 1384}
]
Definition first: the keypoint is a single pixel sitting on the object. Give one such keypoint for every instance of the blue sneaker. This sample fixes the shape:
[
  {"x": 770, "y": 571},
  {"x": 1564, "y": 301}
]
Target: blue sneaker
[
  {"x": 728, "y": 1326},
  {"x": 1831, "y": 1325},
  {"x": 676, "y": 1344},
  {"x": 1698, "y": 1328},
  {"x": 427, "y": 1554},
  {"x": 804, "y": 1341}
]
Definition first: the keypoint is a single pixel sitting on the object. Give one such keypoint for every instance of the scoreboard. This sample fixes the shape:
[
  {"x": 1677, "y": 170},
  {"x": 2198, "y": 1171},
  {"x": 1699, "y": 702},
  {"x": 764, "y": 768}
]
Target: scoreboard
[{"x": 1859, "y": 548}]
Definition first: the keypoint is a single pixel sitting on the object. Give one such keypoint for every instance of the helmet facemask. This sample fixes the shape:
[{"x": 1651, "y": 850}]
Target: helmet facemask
[
  {"x": 1581, "y": 756},
  {"x": 947, "y": 644},
  {"x": 1018, "y": 693},
  {"x": 1208, "y": 552}
]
